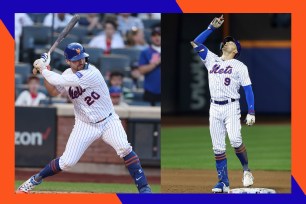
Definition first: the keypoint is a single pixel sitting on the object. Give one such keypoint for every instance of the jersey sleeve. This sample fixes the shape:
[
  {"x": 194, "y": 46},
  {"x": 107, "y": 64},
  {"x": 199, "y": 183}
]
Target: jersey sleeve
[
  {"x": 244, "y": 76},
  {"x": 60, "y": 80},
  {"x": 60, "y": 89},
  {"x": 210, "y": 59}
]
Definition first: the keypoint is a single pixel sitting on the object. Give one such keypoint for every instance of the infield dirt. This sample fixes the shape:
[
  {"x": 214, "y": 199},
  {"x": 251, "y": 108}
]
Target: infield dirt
[{"x": 202, "y": 181}]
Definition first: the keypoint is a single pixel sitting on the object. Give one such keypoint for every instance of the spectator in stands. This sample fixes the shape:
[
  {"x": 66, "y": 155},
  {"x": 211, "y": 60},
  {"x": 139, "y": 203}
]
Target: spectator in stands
[
  {"x": 127, "y": 22},
  {"x": 156, "y": 16},
  {"x": 150, "y": 67},
  {"x": 60, "y": 20},
  {"x": 91, "y": 21},
  {"x": 108, "y": 39},
  {"x": 135, "y": 39},
  {"x": 31, "y": 97},
  {"x": 116, "y": 96},
  {"x": 116, "y": 79},
  {"x": 21, "y": 20}
]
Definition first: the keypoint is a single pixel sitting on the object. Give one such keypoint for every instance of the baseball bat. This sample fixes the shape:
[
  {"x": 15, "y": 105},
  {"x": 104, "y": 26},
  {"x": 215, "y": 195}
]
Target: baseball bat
[
  {"x": 64, "y": 32},
  {"x": 62, "y": 35}
]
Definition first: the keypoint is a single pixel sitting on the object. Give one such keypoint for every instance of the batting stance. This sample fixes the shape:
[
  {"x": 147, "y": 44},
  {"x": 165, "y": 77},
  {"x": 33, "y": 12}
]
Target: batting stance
[
  {"x": 95, "y": 117},
  {"x": 226, "y": 75}
]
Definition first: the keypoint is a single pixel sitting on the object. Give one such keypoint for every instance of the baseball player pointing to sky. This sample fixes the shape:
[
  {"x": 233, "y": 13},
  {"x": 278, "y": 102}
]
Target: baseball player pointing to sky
[
  {"x": 95, "y": 117},
  {"x": 226, "y": 74}
]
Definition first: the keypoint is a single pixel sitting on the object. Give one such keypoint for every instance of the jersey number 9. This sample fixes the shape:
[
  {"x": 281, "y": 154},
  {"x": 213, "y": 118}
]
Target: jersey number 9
[
  {"x": 227, "y": 81},
  {"x": 91, "y": 99}
]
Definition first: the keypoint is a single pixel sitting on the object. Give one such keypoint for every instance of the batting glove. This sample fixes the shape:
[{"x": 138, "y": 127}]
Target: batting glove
[
  {"x": 216, "y": 23},
  {"x": 39, "y": 66},
  {"x": 250, "y": 119},
  {"x": 46, "y": 58}
]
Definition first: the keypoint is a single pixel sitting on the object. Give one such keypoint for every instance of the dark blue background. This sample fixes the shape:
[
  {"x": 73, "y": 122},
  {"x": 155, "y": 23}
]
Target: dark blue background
[{"x": 270, "y": 70}]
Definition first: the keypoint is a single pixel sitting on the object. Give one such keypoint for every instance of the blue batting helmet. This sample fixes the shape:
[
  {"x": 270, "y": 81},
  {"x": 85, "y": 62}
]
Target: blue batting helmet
[
  {"x": 237, "y": 43},
  {"x": 75, "y": 52}
]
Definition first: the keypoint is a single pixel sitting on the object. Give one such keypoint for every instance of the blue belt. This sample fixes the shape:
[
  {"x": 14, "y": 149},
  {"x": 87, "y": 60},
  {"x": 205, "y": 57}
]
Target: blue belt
[
  {"x": 103, "y": 119},
  {"x": 222, "y": 102}
]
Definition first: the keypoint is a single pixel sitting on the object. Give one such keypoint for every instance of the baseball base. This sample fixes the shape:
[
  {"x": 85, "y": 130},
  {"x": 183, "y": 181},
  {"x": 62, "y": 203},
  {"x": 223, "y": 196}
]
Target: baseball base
[{"x": 252, "y": 191}]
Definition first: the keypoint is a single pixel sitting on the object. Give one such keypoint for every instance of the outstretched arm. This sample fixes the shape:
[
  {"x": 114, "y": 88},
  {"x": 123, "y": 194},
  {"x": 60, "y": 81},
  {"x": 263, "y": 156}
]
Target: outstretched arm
[
  {"x": 53, "y": 78},
  {"x": 56, "y": 79},
  {"x": 197, "y": 44}
]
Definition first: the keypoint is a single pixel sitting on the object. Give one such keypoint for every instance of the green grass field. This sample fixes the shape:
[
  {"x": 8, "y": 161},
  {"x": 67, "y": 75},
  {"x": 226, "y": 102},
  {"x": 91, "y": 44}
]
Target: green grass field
[
  {"x": 88, "y": 187},
  {"x": 268, "y": 146}
]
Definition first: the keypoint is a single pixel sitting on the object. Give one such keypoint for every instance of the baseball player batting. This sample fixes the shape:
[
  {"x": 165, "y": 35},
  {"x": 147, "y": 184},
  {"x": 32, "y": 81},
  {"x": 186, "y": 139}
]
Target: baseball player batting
[
  {"x": 226, "y": 75},
  {"x": 95, "y": 117}
]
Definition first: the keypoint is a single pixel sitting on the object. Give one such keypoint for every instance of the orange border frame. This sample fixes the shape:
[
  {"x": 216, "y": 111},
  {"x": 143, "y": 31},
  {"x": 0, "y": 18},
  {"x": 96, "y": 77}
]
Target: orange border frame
[
  {"x": 298, "y": 73},
  {"x": 7, "y": 155}
]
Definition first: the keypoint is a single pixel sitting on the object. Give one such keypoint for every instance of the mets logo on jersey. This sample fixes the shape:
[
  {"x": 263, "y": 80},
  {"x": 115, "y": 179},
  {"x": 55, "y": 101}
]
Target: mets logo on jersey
[
  {"x": 75, "y": 92},
  {"x": 217, "y": 70},
  {"x": 78, "y": 51}
]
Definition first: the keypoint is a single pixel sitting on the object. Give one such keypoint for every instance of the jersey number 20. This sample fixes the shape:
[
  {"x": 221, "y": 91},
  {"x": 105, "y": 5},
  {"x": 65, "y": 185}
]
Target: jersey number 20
[
  {"x": 91, "y": 99},
  {"x": 227, "y": 81}
]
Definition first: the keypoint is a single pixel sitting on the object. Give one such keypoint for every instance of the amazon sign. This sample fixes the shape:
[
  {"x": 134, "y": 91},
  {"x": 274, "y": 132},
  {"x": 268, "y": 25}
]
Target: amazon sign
[{"x": 35, "y": 136}]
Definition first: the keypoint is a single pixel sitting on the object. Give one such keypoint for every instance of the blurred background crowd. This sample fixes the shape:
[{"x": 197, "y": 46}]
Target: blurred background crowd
[{"x": 125, "y": 47}]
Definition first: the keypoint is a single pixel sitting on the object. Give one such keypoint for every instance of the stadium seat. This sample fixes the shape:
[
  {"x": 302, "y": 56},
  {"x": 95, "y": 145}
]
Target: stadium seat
[
  {"x": 34, "y": 37},
  {"x": 78, "y": 31},
  {"x": 113, "y": 62},
  {"x": 38, "y": 18},
  {"x": 41, "y": 79},
  {"x": 19, "y": 88},
  {"x": 86, "y": 39},
  {"x": 127, "y": 83},
  {"x": 138, "y": 103},
  {"x": 18, "y": 79},
  {"x": 94, "y": 54},
  {"x": 140, "y": 84},
  {"x": 96, "y": 31},
  {"x": 24, "y": 70},
  {"x": 137, "y": 95},
  {"x": 67, "y": 40},
  {"x": 149, "y": 23},
  {"x": 50, "y": 101},
  {"x": 42, "y": 89},
  {"x": 147, "y": 34},
  {"x": 132, "y": 53}
]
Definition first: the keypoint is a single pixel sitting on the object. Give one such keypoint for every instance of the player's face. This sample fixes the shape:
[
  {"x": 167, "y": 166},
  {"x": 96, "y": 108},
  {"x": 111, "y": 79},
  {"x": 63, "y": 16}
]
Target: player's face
[
  {"x": 76, "y": 65},
  {"x": 229, "y": 47}
]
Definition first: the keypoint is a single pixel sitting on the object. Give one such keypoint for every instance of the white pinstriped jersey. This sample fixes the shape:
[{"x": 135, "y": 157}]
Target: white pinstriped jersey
[
  {"x": 225, "y": 77},
  {"x": 91, "y": 99}
]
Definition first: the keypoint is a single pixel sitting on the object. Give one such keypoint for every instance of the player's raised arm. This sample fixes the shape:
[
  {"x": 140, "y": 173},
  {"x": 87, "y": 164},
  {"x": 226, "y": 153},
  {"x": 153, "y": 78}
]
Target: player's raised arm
[
  {"x": 53, "y": 78},
  {"x": 197, "y": 43}
]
